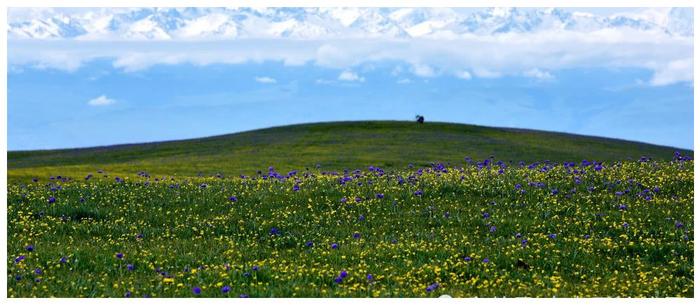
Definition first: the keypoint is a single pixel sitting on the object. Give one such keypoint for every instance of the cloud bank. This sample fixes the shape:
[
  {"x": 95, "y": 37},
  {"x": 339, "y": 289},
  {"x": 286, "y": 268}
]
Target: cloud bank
[{"x": 426, "y": 43}]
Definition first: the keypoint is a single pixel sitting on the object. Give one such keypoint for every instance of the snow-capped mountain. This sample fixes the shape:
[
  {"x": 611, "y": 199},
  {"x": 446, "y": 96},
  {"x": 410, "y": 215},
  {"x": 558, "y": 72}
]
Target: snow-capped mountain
[{"x": 313, "y": 23}]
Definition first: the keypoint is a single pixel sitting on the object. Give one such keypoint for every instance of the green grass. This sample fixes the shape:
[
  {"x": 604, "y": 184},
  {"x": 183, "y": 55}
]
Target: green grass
[
  {"x": 640, "y": 240},
  {"x": 623, "y": 228},
  {"x": 334, "y": 146}
]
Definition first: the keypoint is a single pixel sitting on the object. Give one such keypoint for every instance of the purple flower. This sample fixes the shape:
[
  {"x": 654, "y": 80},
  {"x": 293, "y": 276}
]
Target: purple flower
[
  {"x": 130, "y": 267},
  {"x": 127, "y": 294},
  {"x": 343, "y": 274},
  {"x": 19, "y": 259},
  {"x": 343, "y": 200},
  {"x": 370, "y": 277},
  {"x": 358, "y": 199},
  {"x": 295, "y": 188},
  {"x": 485, "y": 214},
  {"x": 18, "y": 277},
  {"x": 255, "y": 268},
  {"x": 552, "y": 236},
  {"x": 361, "y": 218},
  {"x": 380, "y": 196},
  {"x": 338, "y": 280},
  {"x": 467, "y": 259},
  {"x": 334, "y": 246},
  {"x": 586, "y": 236},
  {"x": 233, "y": 198},
  {"x": 243, "y": 295},
  {"x": 678, "y": 224},
  {"x": 523, "y": 242},
  {"x": 29, "y": 248},
  {"x": 356, "y": 235},
  {"x": 120, "y": 255},
  {"x": 63, "y": 260},
  {"x": 486, "y": 260},
  {"x": 309, "y": 243},
  {"x": 518, "y": 235},
  {"x": 418, "y": 193},
  {"x": 274, "y": 231},
  {"x": 623, "y": 207},
  {"x": 38, "y": 271},
  {"x": 625, "y": 225},
  {"x": 432, "y": 287},
  {"x": 196, "y": 290},
  {"x": 492, "y": 229},
  {"x": 225, "y": 289},
  {"x": 52, "y": 199}
]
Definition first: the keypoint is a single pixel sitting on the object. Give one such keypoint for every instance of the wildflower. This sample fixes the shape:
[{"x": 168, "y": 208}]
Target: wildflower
[
  {"x": 29, "y": 248},
  {"x": 274, "y": 231},
  {"x": 379, "y": 196},
  {"x": 309, "y": 244},
  {"x": 38, "y": 271},
  {"x": 467, "y": 259},
  {"x": 63, "y": 260},
  {"x": 196, "y": 290},
  {"x": 552, "y": 236},
  {"x": 485, "y": 215},
  {"x": 418, "y": 193},
  {"x": 243, "y": 295},
  {"x": 370, "y": 277},
  {"x": 233, "y": 198},
  {"x": 130, "y": 267},
  {"x": 486, "y": 260},
  {"x": 343, "y": 200},
  {"x": 334, "y": 246},
  {"x": 295, "y": 188},
  {"x": 255, "y": 268},
  {"x": 120, "y": 255},
  {"x": 19, "y": 259},
  {"x": 52, "y": 199},
  {"x": 432, "y": 287},
  {"x": 356, "y": 235},
  {"x": 678, "y": 224},
  {"x": 492, "y": 229},
  {"x": 343, "y": 274},
  {"x": 225, "y": 289}
]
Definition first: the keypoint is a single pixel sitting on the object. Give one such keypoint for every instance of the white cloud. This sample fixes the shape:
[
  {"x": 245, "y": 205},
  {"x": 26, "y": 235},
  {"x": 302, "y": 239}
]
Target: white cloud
[
  {"x": 423, "y": 70},
  {"x": 463, "y": 75},
  {"x": 539, "y": 74},
  {"x": 674, "y": 72},
  {"x": 403, "y": 81},
  {"x": 350, "y": 76},
  {"x": 101, "y": 101},
  {"x": 538, "y": 54},
  {"x": 265, "y": 80}
]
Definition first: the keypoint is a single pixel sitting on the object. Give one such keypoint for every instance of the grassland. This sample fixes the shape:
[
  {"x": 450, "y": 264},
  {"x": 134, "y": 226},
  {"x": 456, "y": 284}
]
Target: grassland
[
  {"x": 147, "y": 225},
  {"x": 333, "y": 146}
]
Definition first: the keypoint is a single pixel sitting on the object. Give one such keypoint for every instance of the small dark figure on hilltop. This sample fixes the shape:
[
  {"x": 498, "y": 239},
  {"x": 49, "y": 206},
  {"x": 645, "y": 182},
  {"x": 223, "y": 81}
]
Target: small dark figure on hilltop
[{"x": 419, "y": 119}]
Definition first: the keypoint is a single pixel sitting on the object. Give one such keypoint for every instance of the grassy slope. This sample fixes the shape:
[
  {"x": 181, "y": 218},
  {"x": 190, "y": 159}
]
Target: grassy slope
[{"x": 336, "y": 146}]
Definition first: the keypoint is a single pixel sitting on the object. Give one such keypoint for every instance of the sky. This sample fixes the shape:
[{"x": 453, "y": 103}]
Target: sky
[{"x": 93, "y": 77}]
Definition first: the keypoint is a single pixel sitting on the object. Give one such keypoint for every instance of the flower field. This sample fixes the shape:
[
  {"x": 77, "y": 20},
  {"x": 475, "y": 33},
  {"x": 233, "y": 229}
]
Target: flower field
[{"x": 482, "y": 228}]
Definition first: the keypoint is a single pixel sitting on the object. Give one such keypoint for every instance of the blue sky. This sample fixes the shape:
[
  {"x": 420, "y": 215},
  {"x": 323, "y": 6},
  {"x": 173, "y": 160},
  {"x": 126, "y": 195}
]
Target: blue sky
[{"x": 626, "y": 83}]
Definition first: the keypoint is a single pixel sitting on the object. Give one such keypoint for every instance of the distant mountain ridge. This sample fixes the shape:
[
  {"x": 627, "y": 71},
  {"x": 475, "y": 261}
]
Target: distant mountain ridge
[{"x": 317, "y": 23}]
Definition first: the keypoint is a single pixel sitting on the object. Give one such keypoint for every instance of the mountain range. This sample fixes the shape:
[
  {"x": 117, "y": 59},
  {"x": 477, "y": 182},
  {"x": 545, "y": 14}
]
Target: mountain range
[{"x": 325, "y": 23}]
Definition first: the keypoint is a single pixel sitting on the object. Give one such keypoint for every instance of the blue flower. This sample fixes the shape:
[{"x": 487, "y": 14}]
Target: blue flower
[
  {"x": 233, "y": 198},
  {"x": 196, "y": 290},
  {"x": 225, "y": 289},
  {"x": 29, "y": 248},
  {"x": 120, "y": 255}
]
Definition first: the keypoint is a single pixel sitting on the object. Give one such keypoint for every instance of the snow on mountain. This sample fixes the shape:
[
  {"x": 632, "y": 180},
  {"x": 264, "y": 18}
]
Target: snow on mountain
[{"x": 310, "y": 23}]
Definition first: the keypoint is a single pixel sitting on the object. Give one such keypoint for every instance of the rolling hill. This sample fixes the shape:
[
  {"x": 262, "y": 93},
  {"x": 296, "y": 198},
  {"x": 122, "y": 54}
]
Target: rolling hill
[{"x": 329, "y": 146}]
